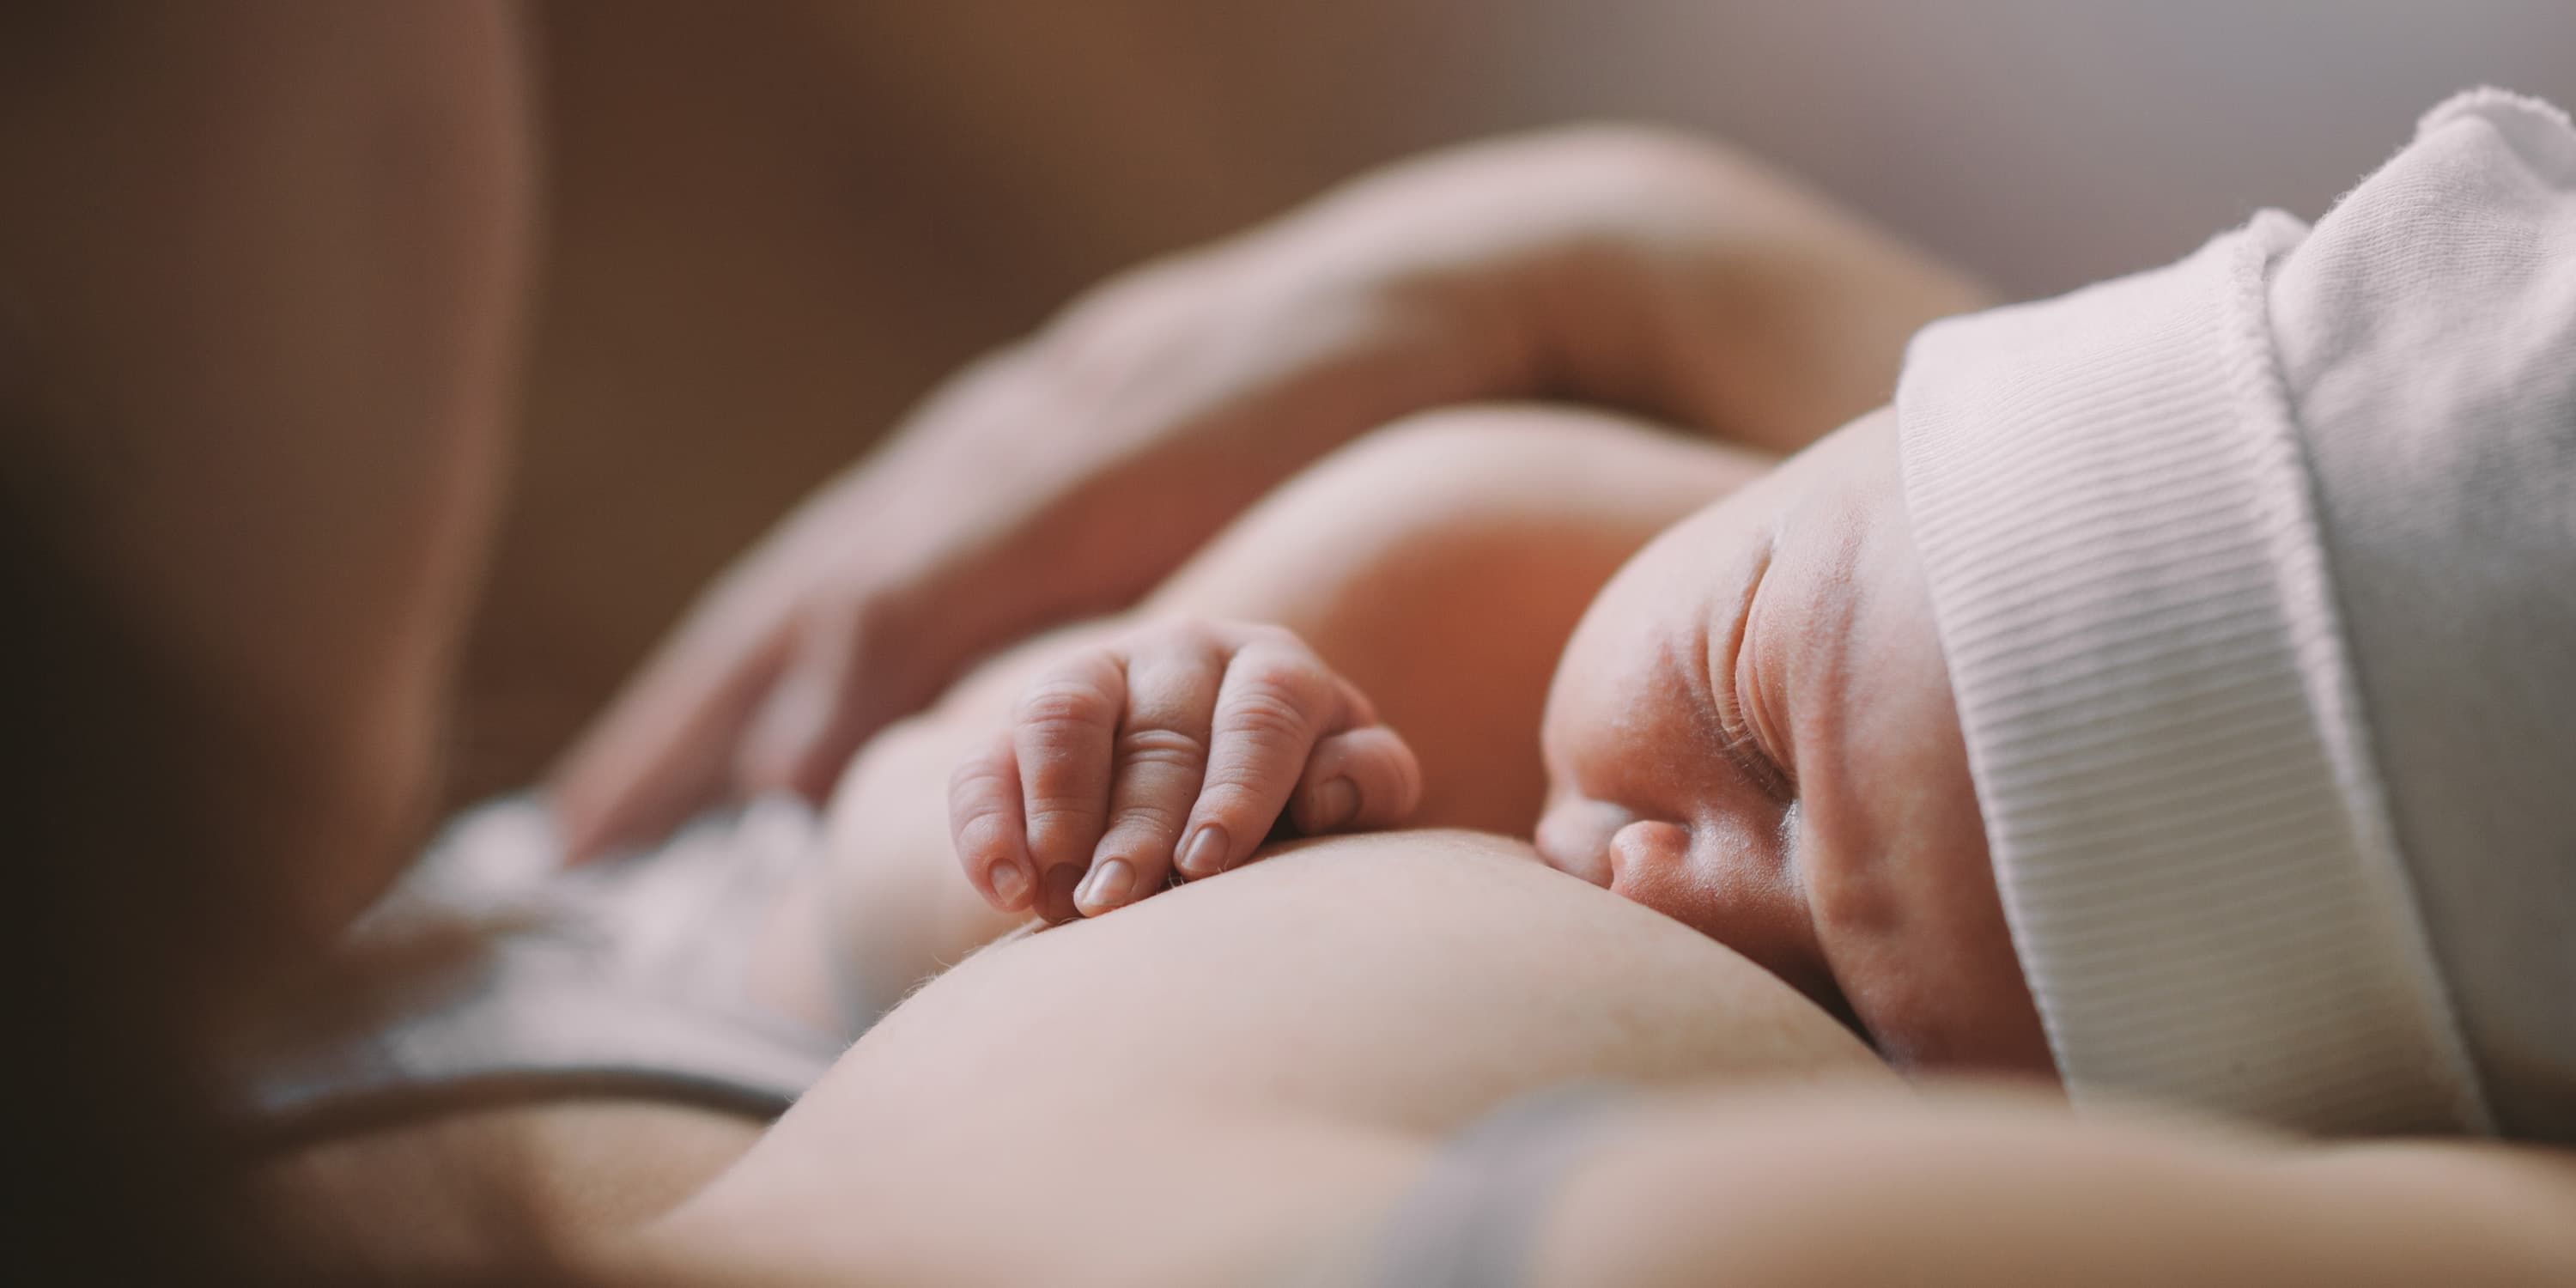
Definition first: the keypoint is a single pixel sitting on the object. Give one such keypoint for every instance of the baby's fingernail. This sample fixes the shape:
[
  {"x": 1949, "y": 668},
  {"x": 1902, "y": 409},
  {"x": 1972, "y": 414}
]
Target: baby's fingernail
[
  {"x": 1009, "y": 881},
  {"x": 1105, "y": 888},
  {"x": 1207, "y": 850},
  {"x": 1055, "y": 901},
  {"x": 1336, "y": 802}
]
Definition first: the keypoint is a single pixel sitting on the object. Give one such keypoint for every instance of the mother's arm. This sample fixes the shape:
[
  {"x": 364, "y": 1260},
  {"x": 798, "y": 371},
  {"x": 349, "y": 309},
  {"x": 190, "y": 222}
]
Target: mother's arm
[{"x": 1975, "y": 1188}]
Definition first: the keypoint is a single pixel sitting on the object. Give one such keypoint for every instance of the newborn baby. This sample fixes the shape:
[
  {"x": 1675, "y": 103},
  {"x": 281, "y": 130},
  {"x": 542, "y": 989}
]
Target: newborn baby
[{"x": 2171, "y": 691}]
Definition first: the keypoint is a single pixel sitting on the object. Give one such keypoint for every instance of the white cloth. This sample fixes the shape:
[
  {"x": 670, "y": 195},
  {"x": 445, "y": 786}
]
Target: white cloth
[
  {"x": 628, "y": 976},
  {"x": 2256, "y": 575}
]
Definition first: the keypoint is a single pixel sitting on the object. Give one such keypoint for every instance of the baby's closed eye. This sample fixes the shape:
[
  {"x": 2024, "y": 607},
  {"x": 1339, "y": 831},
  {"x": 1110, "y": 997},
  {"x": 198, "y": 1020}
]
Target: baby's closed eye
[{"x": 1748, "y": 726}]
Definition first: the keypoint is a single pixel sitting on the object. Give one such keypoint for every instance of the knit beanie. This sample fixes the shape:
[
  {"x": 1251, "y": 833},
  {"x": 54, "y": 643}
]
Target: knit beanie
[{"x": 2256, "y": 578}]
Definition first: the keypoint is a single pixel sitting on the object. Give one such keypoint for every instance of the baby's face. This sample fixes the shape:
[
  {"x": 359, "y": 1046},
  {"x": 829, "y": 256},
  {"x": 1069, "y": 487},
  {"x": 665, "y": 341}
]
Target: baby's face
[{"x": 1752, "y": 732}]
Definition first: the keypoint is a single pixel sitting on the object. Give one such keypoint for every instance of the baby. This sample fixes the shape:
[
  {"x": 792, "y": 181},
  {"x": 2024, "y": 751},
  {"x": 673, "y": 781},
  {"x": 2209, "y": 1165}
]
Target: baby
[{"x": 2173, "y": 690}]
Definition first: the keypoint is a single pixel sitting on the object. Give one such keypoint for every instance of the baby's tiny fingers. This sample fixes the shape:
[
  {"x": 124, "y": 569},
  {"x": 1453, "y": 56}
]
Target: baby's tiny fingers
[
  {"x": 987, "y": 829},
  {"x": 1161, "y": 759},
  {"x": 1277, "y": 701},
  {"x": 1355, "y": 781},
  {"x": 1062, "y": 737}
]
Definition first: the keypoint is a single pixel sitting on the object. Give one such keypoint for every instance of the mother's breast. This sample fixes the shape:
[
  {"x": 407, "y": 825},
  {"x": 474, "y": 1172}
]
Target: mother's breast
[
  {"x": 1411, "y": 980},
  {"x": 1217, "y": 1079}
]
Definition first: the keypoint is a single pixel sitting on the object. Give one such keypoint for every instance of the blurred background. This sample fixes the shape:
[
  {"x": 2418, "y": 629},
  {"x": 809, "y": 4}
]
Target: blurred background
[{"x": 775, "y": 225}]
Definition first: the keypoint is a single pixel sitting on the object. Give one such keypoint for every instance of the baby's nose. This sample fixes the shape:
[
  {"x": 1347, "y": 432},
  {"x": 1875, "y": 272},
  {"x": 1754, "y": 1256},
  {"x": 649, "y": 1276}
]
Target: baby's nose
[
  {"x": 1649, "y": 850},
  {"x": 1574, "y": 838}
]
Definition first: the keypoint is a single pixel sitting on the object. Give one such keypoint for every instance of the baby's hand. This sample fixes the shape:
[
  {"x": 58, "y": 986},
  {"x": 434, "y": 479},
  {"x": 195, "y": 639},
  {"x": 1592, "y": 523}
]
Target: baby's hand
[{"x": 1176, "y": 748}]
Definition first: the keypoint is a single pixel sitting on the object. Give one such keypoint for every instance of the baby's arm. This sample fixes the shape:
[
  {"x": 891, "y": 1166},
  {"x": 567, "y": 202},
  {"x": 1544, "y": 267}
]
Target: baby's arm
[{"x": 1439, "y": 565}]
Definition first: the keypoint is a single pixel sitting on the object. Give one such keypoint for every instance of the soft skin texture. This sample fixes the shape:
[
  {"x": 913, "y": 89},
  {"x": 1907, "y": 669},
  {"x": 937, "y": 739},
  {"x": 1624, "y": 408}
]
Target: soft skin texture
[
  {"x": 1752, "y": 732},
  {"x": 1965, "y": 1186},
  {"x": 1220, "y": 1080}
]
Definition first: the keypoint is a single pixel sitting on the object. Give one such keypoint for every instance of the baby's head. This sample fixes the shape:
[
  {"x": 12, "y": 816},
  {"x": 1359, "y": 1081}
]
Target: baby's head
[
  {"x": 1752, "y": 732},
  {"x": 2181, "y": 671}
]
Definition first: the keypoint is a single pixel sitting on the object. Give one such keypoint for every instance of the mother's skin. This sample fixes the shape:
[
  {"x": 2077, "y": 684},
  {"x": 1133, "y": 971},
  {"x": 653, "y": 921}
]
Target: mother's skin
[{"x": 1241, "y": 1073}]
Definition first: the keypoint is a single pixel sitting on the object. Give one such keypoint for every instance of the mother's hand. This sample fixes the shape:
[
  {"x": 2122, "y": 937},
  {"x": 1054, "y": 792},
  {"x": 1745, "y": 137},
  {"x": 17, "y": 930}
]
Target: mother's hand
[{"x": 1066, "y": 474}]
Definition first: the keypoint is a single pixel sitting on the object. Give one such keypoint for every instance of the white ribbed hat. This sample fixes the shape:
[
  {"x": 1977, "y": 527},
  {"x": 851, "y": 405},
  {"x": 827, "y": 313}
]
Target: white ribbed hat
[{"x": 2256, "y": 576}]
